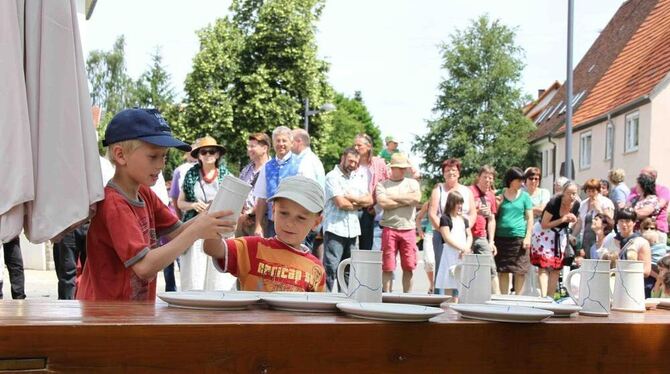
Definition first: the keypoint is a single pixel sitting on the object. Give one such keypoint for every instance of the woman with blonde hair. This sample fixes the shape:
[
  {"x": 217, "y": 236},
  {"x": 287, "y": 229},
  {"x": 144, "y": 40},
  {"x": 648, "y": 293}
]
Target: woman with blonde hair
[{"x": 619, "y": 191}]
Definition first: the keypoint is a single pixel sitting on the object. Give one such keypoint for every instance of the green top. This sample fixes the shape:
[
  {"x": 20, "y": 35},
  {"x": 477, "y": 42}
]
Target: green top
[
  {"x": 386, "y": 155},
  {"x": 511, "y": 218}
]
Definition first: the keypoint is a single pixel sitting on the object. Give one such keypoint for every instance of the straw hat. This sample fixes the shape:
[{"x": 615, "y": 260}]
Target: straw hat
[
  {"x": 399, "y": 160},
  {"x": 206, "y": 141}
]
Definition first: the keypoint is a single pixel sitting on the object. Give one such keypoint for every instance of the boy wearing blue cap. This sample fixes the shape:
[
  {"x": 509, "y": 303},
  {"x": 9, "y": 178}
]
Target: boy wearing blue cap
[
  {"x": 280, "y": 263},
  {"x": 122, "y": 243}
]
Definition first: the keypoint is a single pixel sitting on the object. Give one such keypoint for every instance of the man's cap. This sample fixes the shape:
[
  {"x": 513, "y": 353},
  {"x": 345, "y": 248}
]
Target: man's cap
[
  {"x": 205, "y": 141},
  {"x": 399, "y": 160},
  {"x": 304, "y": 191},
  {"x": 142, "y": 124},
  {"x": 389, "y": 139}
]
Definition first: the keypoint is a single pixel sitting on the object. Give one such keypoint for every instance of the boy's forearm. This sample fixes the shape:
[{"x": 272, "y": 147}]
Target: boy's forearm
[{"x": 159, "y": 258}]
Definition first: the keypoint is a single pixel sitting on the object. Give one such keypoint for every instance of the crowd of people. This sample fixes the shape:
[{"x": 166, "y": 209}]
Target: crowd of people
[{"x": 299, "y": 221}]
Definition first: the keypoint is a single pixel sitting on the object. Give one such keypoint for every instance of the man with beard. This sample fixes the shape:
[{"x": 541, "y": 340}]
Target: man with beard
[{"x": 345, "y": 194}]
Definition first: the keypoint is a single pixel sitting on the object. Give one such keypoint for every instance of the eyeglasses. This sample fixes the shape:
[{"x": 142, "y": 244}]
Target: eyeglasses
[
  {"x": 533, "y": 178},
  {"x": 208, "y": 151}
]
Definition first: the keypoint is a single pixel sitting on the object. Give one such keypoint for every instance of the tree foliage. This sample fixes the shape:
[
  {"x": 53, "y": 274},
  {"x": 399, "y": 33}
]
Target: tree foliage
[
  {"x": 112, "y": 89},
  {"x": 478, "y": 110},
  {"x": 253, "y": 72},
  {"x": 350, "y": 118}
]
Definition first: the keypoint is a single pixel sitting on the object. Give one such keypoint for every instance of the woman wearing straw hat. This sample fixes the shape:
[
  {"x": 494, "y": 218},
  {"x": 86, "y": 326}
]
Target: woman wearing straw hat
[{"x": 201, "y": 183}]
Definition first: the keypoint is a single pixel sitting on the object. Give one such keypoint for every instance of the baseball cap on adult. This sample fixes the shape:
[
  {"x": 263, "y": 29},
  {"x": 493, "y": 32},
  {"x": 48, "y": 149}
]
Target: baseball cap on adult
[
  {"x": 304, "y": 191},
  {"x": 142, "y": 124}
]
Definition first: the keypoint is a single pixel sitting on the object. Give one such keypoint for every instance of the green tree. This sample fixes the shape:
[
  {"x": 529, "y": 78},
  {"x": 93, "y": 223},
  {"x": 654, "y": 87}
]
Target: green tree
[
  {"x": 350, "y": 118},
  {"x": 154, "y": 89},
  {"x": 111, "y": 88},
  {"x": 479, "y": 117},
  {"x": 253, "y": 72}
]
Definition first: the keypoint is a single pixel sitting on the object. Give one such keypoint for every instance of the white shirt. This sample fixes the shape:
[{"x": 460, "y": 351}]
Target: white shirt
[
  {"x": 341, "y": 222},
  {"x": 311, "y": 167}
]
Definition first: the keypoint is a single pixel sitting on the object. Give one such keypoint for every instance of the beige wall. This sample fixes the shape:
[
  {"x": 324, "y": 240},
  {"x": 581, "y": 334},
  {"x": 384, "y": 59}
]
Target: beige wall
[
  {"x": 659, "y": 144},
  {"x": 631, "y": 162}
]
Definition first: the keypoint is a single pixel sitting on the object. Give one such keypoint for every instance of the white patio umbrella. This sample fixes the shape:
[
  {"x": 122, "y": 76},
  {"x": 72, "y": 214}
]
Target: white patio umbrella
[
  {"x": 17, "y": 186},
  {"x": 65, "y": 160}
]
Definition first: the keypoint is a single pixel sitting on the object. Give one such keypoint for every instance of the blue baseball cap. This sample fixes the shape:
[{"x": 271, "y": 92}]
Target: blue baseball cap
[{"x": 147, "y": 125}]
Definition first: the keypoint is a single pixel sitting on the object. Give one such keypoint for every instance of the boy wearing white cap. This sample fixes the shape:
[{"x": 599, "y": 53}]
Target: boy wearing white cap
[{"x": 280, "y": 263}]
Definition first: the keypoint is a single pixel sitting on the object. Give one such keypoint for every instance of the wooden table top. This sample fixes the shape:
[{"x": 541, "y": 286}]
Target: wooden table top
[{"x": 71, "y": 312}]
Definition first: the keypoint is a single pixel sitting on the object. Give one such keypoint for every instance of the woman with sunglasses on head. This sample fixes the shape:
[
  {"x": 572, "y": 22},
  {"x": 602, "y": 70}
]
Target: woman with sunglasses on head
[
  {"x": 201, "y": 183},
  {"x": 538, "y": 196}
]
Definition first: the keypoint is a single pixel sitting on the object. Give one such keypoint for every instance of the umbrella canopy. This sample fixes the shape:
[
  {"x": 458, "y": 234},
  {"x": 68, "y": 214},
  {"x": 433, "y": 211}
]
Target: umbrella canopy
[{"x": 62, "y": 143}]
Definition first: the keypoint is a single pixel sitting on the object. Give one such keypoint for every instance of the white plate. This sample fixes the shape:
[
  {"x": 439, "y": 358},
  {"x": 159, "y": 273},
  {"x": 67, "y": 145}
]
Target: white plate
[
  {"x": 502, "y": 313},
  {"x": 414, "y": 298},
  {"x": 560, "y": 310},
  {"x": 208, "y": 300},
  {"x": 307, "y": 302},
  {"x": 298, "y": 293},
  {"x": 663, "y": 303},
  {"x": 390, "y": 312},
  {"x": 522, "y": 298}
]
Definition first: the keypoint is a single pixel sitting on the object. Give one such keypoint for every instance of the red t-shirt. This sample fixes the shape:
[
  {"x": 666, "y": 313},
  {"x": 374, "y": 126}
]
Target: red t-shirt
[
  {"x": 121, "y": 233},
  {"x": 479, "y": 228},
  {"x": 270, "y": 265}
]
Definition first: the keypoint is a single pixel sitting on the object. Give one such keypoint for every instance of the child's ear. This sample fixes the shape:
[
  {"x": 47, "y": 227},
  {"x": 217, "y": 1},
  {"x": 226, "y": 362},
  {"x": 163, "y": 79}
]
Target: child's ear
[
  {"x": 118, "y": 155},
  {"x": 318, "y": 221}
]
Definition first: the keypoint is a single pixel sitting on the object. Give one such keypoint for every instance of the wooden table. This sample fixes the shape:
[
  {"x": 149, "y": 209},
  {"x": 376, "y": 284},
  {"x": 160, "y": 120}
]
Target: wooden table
[{"x": 72, "y": 336}]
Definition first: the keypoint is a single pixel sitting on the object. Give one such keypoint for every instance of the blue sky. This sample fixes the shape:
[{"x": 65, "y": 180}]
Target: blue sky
[{"x": 389, "y": 50}]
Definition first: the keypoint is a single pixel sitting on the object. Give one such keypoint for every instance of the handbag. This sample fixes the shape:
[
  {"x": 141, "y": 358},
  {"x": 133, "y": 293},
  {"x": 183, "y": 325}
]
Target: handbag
[{"x": 569, "y": 254}]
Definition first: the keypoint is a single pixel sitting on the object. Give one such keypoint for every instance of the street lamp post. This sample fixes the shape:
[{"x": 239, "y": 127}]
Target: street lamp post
[{"x": 327, "y": 107}]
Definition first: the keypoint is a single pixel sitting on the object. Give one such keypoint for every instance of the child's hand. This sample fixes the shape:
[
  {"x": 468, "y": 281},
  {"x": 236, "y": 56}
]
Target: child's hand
[{"x": 214, "y": 225}]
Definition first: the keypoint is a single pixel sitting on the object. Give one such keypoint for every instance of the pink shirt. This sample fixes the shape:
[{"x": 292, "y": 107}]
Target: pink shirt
[
  {"x": 662, "y": 192},
  {"x": 378, "y": 173}
]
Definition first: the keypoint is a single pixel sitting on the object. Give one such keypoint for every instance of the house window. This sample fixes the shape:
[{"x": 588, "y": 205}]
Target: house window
[
  {"x": 632, "y": 132},
  {"x": 585, "y": 150},
  {"x": 609, "y": 141}
]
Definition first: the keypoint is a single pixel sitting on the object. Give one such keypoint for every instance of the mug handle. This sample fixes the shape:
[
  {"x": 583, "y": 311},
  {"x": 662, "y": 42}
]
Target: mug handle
[
  {"x": 341, "y": 283},
  {"x": 567, "y": 284}
]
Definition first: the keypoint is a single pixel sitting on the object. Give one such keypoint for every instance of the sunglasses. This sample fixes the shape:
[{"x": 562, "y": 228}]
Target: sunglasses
[
  {"x": 533, "y": 178},
  {"x": 208, "y": 151}
]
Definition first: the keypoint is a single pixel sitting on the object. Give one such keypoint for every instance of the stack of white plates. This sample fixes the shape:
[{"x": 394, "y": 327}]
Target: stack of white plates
[
  {"x": 390, "y": 311},
  {"x": 502, "y": 313},
  {"x": 208, "y": 300},
  {"x": 560, "y": 310},
  {"x": 414, "y": 298}
]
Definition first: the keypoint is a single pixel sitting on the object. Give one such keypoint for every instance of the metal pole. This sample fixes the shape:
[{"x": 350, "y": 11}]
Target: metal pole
[
  {"x": 307, "y": 115},
  {"x": 568, "y": 112}
]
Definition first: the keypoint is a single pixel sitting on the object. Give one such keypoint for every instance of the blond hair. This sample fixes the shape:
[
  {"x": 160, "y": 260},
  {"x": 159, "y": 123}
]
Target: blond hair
[
  {"x": 127, "y": 146},
  {"x": 616, "y": 176}
]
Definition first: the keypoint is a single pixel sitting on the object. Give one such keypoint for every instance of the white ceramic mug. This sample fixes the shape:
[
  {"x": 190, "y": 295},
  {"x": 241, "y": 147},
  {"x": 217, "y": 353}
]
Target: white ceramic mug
[
  {"x": 594, "y": 287},
  {"x": 474, "y": 279},
  {"x": 629, "y": 286},
  {"x": 365, "y": 276},
  {"x": 232, "y": 194}
]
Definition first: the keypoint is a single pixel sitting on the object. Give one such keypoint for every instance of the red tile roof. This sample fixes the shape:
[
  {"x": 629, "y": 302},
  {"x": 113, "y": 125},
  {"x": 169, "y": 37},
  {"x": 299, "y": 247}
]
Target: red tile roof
[
  {"x": 597, "y": 62},
  {"x": 642, "y": 64}
]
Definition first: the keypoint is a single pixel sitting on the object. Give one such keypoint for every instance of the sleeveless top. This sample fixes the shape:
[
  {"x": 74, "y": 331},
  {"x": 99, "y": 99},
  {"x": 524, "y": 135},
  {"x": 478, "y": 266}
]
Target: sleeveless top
[{"x": 463, "y": 190}]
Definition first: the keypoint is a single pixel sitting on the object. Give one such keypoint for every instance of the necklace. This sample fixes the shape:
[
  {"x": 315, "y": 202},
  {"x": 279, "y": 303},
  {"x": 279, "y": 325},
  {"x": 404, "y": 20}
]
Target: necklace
[{"x": 210, "y": 180}]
